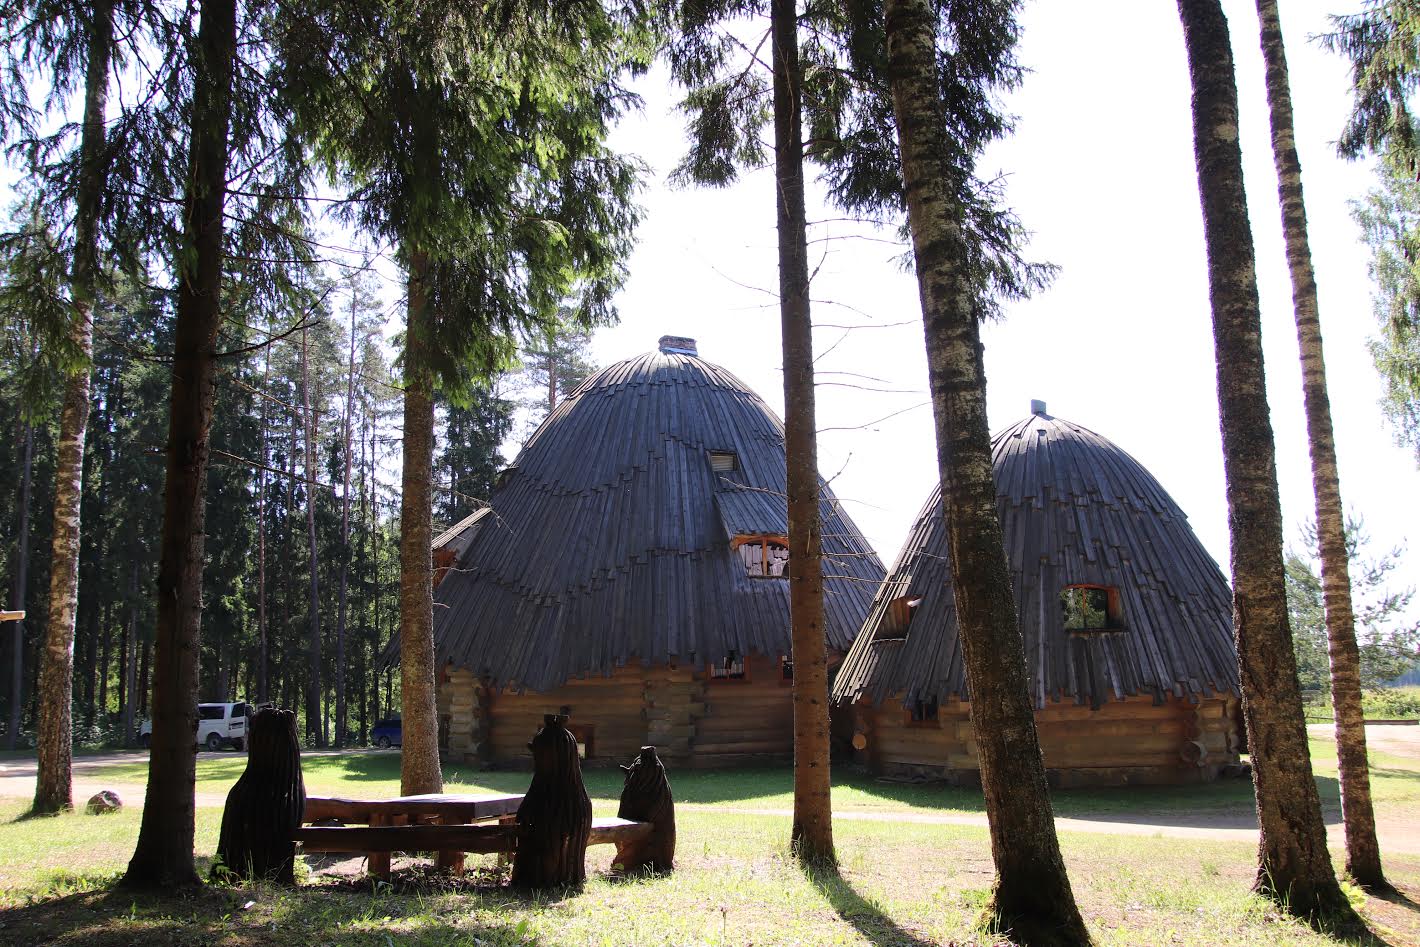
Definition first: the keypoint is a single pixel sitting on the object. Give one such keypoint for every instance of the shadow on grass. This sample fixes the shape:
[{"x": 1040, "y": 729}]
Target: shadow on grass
[
  {"x": 261, "y": 918},
  {"x": 865, "y": 916}
]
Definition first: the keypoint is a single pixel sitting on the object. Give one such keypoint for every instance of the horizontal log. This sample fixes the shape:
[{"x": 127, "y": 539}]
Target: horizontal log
[
  {"x": 466, "y": 807},
  {"x": 784, "y": 745},
  {"x": 484, "y": 839}
]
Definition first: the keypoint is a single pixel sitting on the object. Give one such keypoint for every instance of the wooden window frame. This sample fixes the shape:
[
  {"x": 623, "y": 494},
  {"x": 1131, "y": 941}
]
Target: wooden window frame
[
  {"x": 763, "y": 543},
  {"x": 1113, "y": 611},
  {"x": 712, "y": 453},
  {"x": 925, "y": 720},
  {"x": 742, "y": 679},
  {"x": 786, "y": 662},
  {"x": 901, "y": 628}
]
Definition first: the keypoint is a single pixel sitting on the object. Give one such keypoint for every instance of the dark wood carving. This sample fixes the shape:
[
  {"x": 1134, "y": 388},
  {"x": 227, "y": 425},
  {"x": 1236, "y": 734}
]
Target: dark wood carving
[
  {"x": 646, "y": 797},
  {"x": 555, "y": 818},
  {"x": 265, "y": 807}
]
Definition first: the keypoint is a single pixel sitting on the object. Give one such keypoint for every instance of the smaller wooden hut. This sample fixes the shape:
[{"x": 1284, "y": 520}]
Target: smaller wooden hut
[{"x": 1127, "y": 624}]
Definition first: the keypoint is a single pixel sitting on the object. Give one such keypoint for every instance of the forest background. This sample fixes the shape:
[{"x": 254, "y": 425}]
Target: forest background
[{"x": 1099, "y": 169}]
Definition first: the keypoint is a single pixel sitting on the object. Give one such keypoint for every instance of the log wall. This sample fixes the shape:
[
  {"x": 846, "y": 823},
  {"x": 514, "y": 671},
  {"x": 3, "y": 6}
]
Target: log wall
[
  {"x": 1123, "y": 742},
  {"x": 690, "y": 719}
]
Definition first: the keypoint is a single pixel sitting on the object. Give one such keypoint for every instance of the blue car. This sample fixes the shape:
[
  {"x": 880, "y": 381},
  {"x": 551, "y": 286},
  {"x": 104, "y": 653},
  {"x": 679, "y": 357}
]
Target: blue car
[{"x": 388, "y": 733}]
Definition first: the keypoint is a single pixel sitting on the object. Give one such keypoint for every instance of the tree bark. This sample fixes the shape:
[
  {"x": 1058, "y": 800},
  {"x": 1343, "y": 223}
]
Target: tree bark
[
  {"x": 163, "y": 857},
  {"x": 419, "y": 763},
  {"x": 1363, "y": 854},
  {"x": 261, "y": 646},
  {"x": 53, "y": 783},
  {"x": 812, "y": 831},
  {"x": 315, "y": 718},
  {"x": 17, "y": 587},
  {"x": 130, "y": 650},
  {"x": 1032, "y": 897},
  {"x": 1293, "y": 864},
  {"x": 341, "y": 723}
]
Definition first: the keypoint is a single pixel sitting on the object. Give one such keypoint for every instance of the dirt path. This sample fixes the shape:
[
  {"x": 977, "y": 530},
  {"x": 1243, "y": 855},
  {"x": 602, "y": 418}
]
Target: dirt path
[{"x": 17, "y": 778}]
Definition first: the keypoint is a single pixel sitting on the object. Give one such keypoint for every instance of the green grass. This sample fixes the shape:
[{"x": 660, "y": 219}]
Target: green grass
[
  {"x": 902, "y": 884},
  {"x": 736, "y": 884}
]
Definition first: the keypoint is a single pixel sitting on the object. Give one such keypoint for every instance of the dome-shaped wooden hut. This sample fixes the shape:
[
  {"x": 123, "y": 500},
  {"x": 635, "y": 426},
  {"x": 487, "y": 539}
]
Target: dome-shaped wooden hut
[
  {"x": 632, "y": 571},
  {"x": 1127, "y": 624}
]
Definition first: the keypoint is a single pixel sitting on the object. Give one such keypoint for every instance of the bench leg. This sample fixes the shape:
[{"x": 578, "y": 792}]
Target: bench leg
[
  {"x": 503, "y": 857},
  {"x": 378, "y": 863},
  {"x": 449, "y": 859}
]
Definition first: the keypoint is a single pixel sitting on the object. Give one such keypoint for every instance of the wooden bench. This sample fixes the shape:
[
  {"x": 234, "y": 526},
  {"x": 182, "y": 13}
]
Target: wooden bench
[
  {"x": 546, "y": 830},
  {"x": 443, "y": 823}
]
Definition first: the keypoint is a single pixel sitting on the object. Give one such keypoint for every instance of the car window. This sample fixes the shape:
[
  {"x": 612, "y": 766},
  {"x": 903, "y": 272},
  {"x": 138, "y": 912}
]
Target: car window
[
  {"x": 210, "y": 711},
  {"x": 239, "y": 710}
]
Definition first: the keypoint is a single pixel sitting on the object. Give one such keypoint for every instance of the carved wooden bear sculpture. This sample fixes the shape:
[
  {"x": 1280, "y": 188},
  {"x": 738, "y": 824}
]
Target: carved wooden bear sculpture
[
  {"x": 266, "y": 805},
  {"x": 555, "y": 817},
  {"x": 646, "y": 797}
]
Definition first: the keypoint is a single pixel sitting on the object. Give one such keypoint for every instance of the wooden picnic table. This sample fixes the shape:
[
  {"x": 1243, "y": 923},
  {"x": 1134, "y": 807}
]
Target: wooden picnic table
[{"x": 429, "y": 812}]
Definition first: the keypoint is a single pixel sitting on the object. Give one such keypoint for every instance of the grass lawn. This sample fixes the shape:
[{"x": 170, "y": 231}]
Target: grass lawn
[{"x": 902, "y": 884}]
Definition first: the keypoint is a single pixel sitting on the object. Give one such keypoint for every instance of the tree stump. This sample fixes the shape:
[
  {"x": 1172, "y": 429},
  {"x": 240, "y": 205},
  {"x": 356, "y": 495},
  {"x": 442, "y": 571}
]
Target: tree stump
[
  {"x": 555, "y": 817},
  {"x": 266, "y": 806},
  {"x": 646, "y": 797}
]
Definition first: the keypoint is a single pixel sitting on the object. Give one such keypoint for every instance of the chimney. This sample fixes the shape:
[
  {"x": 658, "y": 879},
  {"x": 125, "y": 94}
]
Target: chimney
[
  {"x": 1037, "y": 407},
  {"x": 678, "y": 345}
]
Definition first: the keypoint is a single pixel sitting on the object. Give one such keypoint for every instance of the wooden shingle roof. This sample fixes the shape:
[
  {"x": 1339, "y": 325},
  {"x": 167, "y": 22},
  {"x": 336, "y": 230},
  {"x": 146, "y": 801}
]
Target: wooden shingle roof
[
  {"x": 608, "y": 540},
  {"x": 1075, "y": 510}
]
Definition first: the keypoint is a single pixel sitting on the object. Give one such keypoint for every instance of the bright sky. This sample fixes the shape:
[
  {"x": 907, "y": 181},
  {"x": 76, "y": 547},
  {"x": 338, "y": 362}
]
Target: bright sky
[{"x": 1101, "y": 169}]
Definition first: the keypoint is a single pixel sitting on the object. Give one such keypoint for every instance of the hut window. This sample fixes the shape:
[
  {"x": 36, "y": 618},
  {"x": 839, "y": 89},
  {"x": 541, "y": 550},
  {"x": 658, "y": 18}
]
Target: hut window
[
  {"x": 922, "y": 712},
  {"x": 732, "y": 668},
  {"x": 1087, "y": 609},
  {"x": 723, "y": 461},
  {"x": 764, "y": 556},
  {"x": 897, "y": 618},
  {"x": 786, "y": 669}
]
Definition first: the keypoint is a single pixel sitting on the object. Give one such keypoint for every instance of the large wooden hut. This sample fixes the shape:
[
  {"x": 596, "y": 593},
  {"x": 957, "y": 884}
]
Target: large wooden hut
[
  {"x": 1126, "y": 619},
  {"x": 632, "y": 571}
]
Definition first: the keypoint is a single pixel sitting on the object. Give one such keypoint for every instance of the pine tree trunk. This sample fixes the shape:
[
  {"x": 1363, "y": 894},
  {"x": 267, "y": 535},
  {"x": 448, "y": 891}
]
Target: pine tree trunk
[
  {"x": 17, "y": 587},
  {"x": 130, "y": 651},
  {"x": 53, "y": 783},
  {"x": 315, "y": 717},
  {"x": 105, "y": 643},
  {"x": 1032, "y": 897},
  {"x": 261, "y": 646},
  {"x": 419, "y": 767},
  {"x": 341, "y": 723},
  {"x": 1294, "y": 866},
  {"x": 1363, "y": 854},
  {"x": 163, "y": 857},
  {"x": 812, "y": 831}
]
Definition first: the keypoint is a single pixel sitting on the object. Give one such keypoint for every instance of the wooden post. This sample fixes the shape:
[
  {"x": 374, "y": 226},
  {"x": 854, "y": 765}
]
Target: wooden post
[
  {"x": 646, "y": 797},
  {"x": 266, "y": 805},
  {"x": 450, "y": 860},
  {"x": 377, "y": 864},
  {"x": 555, "y": 817}
]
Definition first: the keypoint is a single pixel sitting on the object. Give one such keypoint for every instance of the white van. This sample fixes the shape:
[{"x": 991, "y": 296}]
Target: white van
[{"x": 217, "y": 726}]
